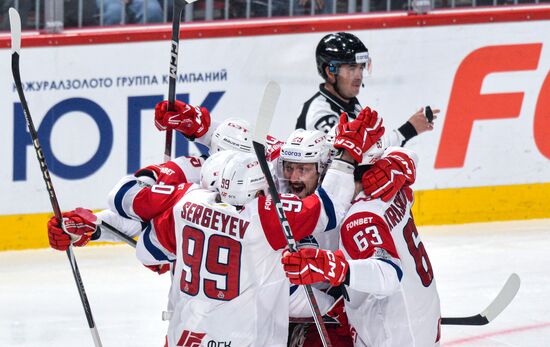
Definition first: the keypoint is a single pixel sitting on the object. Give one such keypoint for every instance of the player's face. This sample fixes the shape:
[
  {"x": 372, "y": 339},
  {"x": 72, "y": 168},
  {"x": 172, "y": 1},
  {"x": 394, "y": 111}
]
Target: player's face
[
  {"x": 302, "y": 178},
  {"x": 350, "y": 78}
]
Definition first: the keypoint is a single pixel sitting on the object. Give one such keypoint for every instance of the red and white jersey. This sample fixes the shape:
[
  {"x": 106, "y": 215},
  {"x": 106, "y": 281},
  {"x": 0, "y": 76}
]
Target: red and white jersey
[
  {"x": 228, "y": 285},
  {"x": 393, "y": 294},
  {"x": 181, "y": 170},
  {"x": 174, "y": 172}
]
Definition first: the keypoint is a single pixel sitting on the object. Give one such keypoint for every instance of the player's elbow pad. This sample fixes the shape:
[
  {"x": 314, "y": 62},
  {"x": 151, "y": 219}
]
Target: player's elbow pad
[
  {"x": 338, "y": 182},
  {"x": 121, "y": 197},
  {"x": 375, "y": 276}
]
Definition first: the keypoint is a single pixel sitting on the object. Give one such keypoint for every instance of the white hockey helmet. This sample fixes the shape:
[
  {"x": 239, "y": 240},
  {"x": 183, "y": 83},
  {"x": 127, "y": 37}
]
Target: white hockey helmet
[
  {"x": 212, "y": 167},
  {"x": 306, "y": 146},
  {"x": 241, "y": 179},
  {"x": 234, "y": 134}
]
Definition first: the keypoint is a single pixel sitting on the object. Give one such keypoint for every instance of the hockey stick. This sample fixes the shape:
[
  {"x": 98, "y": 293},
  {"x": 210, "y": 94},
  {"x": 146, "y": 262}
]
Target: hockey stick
[
  {"x": 263, "y": 122},
  {"x": 502, "y": 300},
  {"x": 178, "y": 7},
  {"x": 174, "y": 47},
  {"x": 119, "y": 234},
  {"x": 499, "y": 303},
  {"x": 15, "y": 26}
]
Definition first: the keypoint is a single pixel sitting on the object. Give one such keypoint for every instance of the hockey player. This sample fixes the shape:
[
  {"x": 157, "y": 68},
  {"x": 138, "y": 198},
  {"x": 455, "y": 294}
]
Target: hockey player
[
  {"x": 192, "y": 122},
  {"x": 225, "y": 252},
  {"x": 303, "y": 160},
  {"x": 341, "y": 61},
  {"x": 383, "y": 264}
]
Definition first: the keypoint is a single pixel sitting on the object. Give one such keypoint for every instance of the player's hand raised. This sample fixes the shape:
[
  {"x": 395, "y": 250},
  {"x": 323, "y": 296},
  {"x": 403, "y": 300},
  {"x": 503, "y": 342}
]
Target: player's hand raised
[
  {"x": 192, "y": 121},
  {"x": 388, "y": 175},
  {"x": 77, "y": 229},
  {"x": 311, "y": 265},
  {"x": 358, "y": 135}
]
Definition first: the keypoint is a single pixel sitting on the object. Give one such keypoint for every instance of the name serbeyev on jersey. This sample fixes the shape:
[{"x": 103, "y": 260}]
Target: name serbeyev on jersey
[
  {"x": 228, "y": 284},
  {"x": 394, "y": 299}
]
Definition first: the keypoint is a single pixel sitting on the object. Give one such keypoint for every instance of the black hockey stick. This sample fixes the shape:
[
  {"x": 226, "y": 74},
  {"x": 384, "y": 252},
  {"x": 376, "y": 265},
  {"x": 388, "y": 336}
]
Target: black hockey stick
[
  {"x": 502, "y": 300},
  {"x": 499, "y": 303},
  {"x": 173, "y": 73},
  {"x": 119, "y": 234},
  {"x": 178, "y": 7},
  {"x": 15, "y": 26},
  {"x": 263, "y": 122}
]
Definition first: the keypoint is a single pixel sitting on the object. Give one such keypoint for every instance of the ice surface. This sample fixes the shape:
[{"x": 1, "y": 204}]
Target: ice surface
[{"x": 39, "y": 303}]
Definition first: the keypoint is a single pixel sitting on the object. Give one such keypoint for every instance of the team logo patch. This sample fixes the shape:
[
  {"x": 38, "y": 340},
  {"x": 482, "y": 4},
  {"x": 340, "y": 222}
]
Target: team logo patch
[
  {"x": 191, "y": 339},
  {"x": 326, "y": 123}
]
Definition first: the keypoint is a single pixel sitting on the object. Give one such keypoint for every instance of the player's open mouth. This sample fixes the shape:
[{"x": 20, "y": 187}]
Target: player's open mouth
[{"x": 297, "y": 188}]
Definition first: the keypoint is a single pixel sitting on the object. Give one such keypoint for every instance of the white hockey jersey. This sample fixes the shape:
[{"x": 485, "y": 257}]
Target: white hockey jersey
[
  {"x": 393, "y": 295},
  {"x": 177, "y": 171},
  {"x": 228, "y": 285}
]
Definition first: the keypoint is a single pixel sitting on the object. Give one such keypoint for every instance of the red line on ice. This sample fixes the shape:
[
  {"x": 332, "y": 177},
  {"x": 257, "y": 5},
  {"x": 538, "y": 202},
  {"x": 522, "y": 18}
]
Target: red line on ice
[{"x": 496, "y": 333}]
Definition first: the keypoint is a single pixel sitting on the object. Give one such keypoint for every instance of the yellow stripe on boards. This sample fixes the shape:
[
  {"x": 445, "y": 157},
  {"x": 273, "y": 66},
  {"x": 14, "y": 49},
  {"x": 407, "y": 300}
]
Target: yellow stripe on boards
[
  {"x": 26, "y": 231},
  {"x": 482, "y": 204},
  {"x": 431, "y": 207}
]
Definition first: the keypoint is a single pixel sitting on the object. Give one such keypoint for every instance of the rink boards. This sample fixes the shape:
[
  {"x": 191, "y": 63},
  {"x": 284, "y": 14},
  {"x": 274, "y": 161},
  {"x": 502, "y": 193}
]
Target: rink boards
[{"x": 92, "y": 92}]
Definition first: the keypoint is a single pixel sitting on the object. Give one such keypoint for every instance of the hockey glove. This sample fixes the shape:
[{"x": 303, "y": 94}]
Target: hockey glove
[
  {"x": 358, "y": 135},
  {"x": 388, "y": 175},
  {"x": 192, "y": 121},
  {"x": 77, "y": 229},
  {"x": 309, "y": 265}
]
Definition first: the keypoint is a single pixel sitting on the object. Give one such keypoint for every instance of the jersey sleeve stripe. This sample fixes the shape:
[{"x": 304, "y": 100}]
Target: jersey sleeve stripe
[
  {"x": 293, "y": 288},
  {"x": 149, "y": 243},
  {"x": 329, "y": 208},
  {"x": 119, "y": 198},
  {"x": 397, "y": 268}
]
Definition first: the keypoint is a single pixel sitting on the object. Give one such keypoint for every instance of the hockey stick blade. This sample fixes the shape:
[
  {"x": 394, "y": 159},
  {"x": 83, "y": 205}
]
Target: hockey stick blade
[
  {"x": 263, "y": 123},
  {"x": 15, "y": 28},
  {"x": 267, "y": 110},
  {"x": 502, "y": 300}
]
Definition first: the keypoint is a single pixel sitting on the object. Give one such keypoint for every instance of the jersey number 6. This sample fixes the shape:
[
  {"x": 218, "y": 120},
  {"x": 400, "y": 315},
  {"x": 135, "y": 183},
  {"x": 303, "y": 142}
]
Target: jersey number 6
[{"x": 423, "y": 265}]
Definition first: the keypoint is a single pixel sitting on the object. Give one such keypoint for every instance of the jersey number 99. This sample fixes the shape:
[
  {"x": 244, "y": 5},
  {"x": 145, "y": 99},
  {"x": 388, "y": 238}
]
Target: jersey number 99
[{"x": 222, "y": 258}]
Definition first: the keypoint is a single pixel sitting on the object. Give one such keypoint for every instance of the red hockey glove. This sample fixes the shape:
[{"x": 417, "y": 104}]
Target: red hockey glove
[
  {"x": 192, "y": 121},
  {"x": 388, "y": 175},
  {"x": 310, "y": 265},
  {"x": 78, "y": 227},
  {"x": 358, "y": 135}
]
